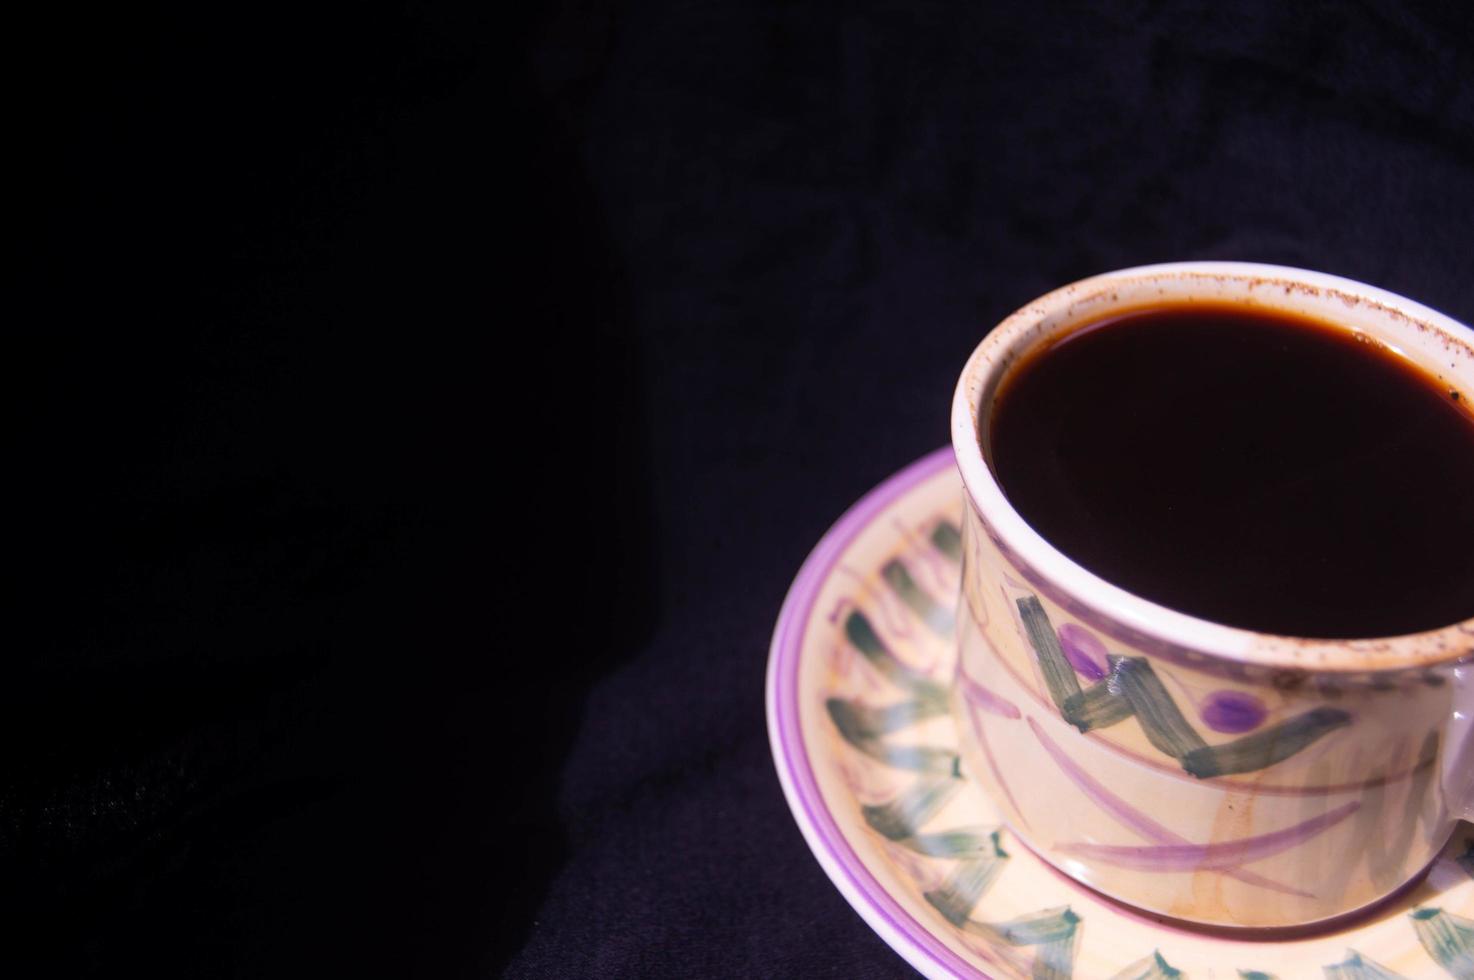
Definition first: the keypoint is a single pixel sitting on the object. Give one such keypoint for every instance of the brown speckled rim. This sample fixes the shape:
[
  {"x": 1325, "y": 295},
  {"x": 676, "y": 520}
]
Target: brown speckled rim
[{"x": 1437, "y": 343}]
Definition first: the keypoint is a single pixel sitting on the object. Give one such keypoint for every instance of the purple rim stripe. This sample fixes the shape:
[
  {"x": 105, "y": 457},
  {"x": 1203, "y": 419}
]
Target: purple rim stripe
[{"x": 788, "y": 746}]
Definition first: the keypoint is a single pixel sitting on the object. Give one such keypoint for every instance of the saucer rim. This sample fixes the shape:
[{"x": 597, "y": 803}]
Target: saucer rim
[{"x": 915, "y": 943}]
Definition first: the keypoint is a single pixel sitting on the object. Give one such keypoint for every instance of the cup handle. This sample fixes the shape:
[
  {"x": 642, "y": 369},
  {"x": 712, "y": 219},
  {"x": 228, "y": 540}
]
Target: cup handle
[{"x": 1458, "y": 757}]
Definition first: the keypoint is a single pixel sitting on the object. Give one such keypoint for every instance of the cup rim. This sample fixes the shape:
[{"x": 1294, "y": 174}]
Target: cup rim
[{"x": 1018, "y": 332}]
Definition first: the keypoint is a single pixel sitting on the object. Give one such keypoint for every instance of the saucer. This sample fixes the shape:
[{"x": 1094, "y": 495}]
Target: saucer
[{"x": 915, "y": 845}]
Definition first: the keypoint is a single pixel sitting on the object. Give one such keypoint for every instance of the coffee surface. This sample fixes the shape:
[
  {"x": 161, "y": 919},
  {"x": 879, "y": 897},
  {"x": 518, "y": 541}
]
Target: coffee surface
[{"x": 1252, "y": 469}]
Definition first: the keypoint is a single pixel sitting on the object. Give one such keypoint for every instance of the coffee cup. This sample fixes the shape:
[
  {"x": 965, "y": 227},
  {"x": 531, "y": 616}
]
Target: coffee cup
[{"x": 1205, "y": 772}]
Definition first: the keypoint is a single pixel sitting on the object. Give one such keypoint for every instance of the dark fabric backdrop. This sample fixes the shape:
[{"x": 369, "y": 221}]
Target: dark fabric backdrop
[{"x": 422, "y": 414}]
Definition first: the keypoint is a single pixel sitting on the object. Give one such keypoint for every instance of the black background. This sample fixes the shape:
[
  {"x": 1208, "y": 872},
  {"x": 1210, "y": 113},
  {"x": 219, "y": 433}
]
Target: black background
[{"x": 419, "y": 413}]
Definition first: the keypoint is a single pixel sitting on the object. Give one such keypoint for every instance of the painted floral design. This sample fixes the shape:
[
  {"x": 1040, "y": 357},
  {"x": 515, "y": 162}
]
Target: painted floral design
[
  {"x": 902, "y": 786},
  {"x": 1130, "y": 688},
  {"x": 1041, "y": 945}
]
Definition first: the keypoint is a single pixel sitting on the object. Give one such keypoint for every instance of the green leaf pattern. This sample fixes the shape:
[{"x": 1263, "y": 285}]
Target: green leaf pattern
[
  {"x": 1133, "y": 690},
  {"x": 1358, "y": 967},
  {"x": 1449, "y": 939}
]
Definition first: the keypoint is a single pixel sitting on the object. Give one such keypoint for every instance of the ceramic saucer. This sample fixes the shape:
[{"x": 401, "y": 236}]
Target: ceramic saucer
[{"x": 925, "y": 859}]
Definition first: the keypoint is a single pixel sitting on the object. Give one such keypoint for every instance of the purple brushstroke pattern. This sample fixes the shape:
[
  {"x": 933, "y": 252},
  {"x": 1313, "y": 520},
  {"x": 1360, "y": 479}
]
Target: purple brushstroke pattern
[
  {"x": 1133, "y": 819},
  {"x": 1083, "y": 650},
  {"x": 1233, "y": 712},
  {"x": 1211, "y": 857},
  {"x": 979, "y": 695},
  {"x": 982, "y": 737}
]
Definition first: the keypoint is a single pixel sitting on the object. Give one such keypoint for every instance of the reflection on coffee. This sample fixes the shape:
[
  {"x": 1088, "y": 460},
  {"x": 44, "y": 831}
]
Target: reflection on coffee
[{"x": 1254, "y": 469}]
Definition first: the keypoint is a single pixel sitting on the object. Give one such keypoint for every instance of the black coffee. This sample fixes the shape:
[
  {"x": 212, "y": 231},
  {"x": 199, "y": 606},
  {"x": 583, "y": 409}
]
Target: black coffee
[{"x": 1257, "y": 470}]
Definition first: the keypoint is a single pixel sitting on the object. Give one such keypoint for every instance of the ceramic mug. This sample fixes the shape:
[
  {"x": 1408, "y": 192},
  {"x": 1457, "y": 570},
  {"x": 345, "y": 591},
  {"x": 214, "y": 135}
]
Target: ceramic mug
[{"x": 1081, "y": 706}]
